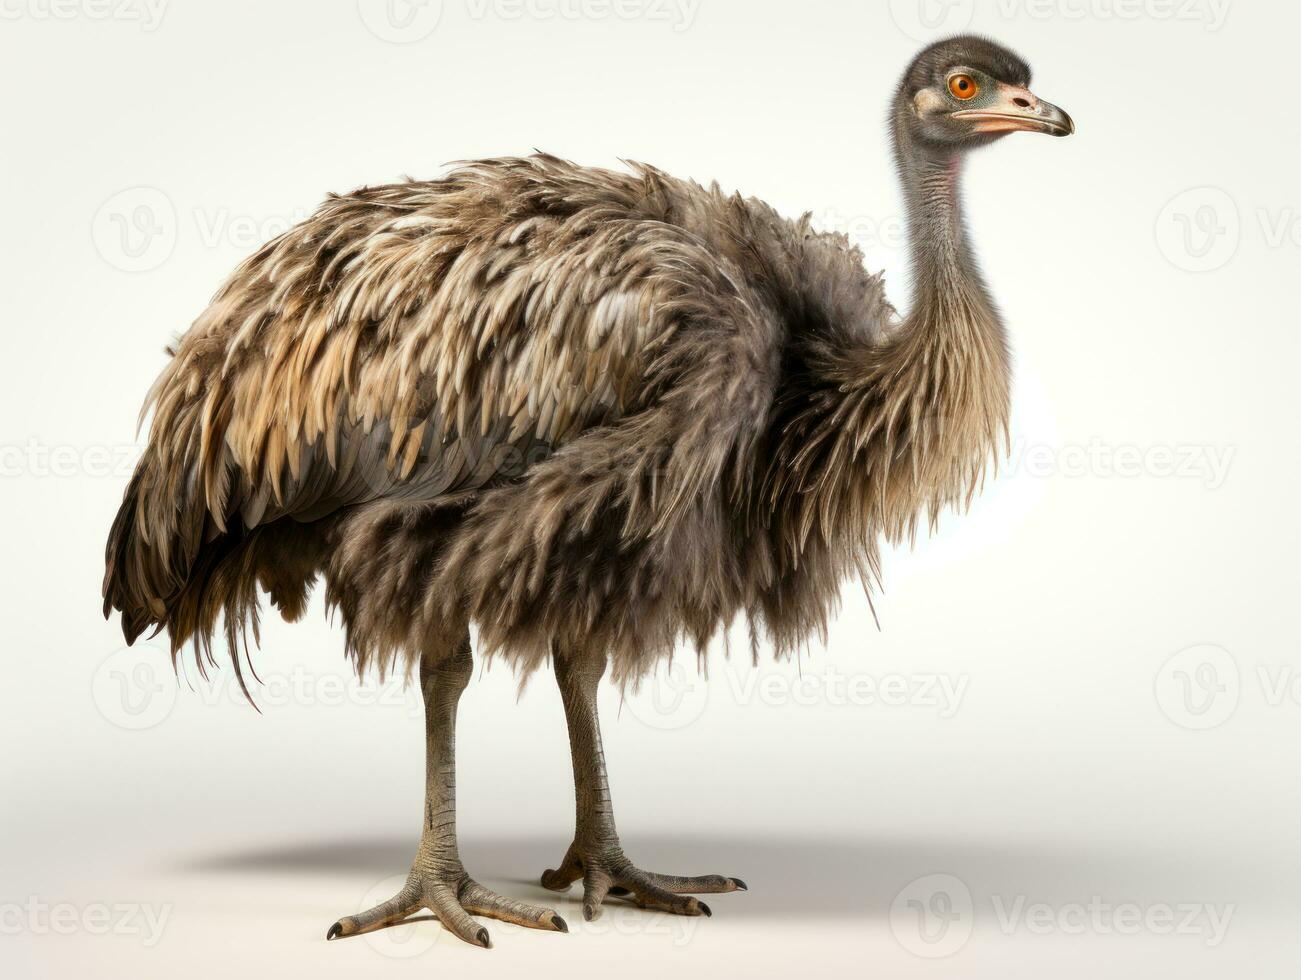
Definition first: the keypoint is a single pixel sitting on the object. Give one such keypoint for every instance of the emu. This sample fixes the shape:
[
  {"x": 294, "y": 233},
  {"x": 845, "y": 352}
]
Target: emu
[{"x": 595, "y": 414}]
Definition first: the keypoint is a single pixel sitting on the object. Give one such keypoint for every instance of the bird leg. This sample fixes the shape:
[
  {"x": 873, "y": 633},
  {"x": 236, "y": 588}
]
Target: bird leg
[
  {"x": 596, "y": 856},
  {"x": 438, "y": 881}
]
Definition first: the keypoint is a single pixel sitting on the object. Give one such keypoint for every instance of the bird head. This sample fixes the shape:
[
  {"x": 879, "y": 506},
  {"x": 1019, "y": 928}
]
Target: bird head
[{"x": 968, "y": 91}]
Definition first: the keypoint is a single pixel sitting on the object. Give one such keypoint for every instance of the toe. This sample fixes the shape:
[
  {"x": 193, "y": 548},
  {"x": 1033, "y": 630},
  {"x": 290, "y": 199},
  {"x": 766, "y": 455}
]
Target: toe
[
  {"x": 608, "y": 873},
  {"x": 455, "y": 919},
  {"x": 649, "y": 895},
  {"x": 596, "y": 885},
  {"x": 478, "y": 900},
  {"x": 570, "y": 871},
  {"x": 395, "y": 910},
  {"x": 703, "y": 885}
]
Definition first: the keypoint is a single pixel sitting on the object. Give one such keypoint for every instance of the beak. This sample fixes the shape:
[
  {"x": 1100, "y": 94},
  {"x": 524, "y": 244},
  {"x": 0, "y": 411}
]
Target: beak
[{"x": 1018, "y": 108}]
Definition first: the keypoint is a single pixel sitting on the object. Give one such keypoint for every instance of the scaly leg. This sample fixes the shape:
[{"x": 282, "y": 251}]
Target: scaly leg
[
  {"x": 438, "y": 881},
  {"x": 596, "y": 857}
]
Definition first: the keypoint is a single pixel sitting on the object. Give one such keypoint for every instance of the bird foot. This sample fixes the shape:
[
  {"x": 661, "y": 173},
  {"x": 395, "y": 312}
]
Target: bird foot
[
  {"x": 453, "y": 898},
  {"x": 607, "y": 872}
]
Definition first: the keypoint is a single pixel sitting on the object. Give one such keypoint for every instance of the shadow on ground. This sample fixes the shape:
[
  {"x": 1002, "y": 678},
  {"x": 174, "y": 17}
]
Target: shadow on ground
[{"x": 823, "y": 878}]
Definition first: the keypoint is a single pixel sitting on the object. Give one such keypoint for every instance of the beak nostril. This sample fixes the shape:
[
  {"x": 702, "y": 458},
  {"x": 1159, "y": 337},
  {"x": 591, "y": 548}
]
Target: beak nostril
[{"x": 1023, "y": 103}]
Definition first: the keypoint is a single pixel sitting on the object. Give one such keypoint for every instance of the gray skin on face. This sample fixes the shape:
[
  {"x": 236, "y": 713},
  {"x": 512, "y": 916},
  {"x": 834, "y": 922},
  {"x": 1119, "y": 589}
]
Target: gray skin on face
[
  {"x": 965, "y": 93},
  {"x": 718, "y": 414}
]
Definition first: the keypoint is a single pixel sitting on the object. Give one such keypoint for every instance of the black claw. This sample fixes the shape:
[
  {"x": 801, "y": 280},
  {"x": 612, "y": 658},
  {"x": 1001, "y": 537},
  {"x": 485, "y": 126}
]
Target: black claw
[
  {"x": 335, "y": 932},
  {"x": 704, "y": 910},
  {"x": 560, "y": 924},
  {"x": 484, "y": 940},
  {"x": 741, "y": 886}
]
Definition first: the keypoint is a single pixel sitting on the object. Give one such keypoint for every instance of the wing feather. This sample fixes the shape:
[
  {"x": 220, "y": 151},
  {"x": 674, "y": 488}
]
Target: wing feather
[{"x": 404, "y": 338}]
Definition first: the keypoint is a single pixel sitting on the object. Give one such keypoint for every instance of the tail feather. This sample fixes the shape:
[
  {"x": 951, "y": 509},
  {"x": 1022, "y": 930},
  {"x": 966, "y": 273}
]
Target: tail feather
[
  {"x": 138, "y": 578},
  {"x": 168, "y": 567}
]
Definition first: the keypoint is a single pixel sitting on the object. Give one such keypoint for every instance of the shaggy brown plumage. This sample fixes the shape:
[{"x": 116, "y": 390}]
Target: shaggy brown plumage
[
  {"x": 595, "y": 413},
  {"x": 577, "y": 405},
  {"x": 609, "y": 411}
]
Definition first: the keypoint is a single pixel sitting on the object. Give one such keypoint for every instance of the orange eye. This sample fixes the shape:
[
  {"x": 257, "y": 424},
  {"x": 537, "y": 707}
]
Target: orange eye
[{"x": 963, "y": 87}]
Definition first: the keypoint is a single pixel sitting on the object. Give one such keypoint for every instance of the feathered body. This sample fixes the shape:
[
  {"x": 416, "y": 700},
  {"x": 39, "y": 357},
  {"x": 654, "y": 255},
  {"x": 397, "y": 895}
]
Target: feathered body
[{"x": 611, "y": 411}]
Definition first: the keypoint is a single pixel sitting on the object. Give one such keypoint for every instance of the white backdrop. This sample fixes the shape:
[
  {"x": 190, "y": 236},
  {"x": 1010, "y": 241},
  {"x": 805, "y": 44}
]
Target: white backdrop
[{"x": 1073, "y": 745}]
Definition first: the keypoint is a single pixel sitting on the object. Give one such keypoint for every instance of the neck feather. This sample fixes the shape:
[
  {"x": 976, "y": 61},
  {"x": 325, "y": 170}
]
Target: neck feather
[
  {"x": 876, "y": 437},
  {"x": 892, "y": 433},
  {"x": 949, "y": 295}
]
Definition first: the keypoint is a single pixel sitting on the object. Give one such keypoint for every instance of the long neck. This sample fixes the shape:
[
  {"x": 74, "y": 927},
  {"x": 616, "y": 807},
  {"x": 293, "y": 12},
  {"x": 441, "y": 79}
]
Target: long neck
[
  {"x": 949, "y": 295},
  {"x": 953, "y": 336},
  {"x": 894, "y": 429}
]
